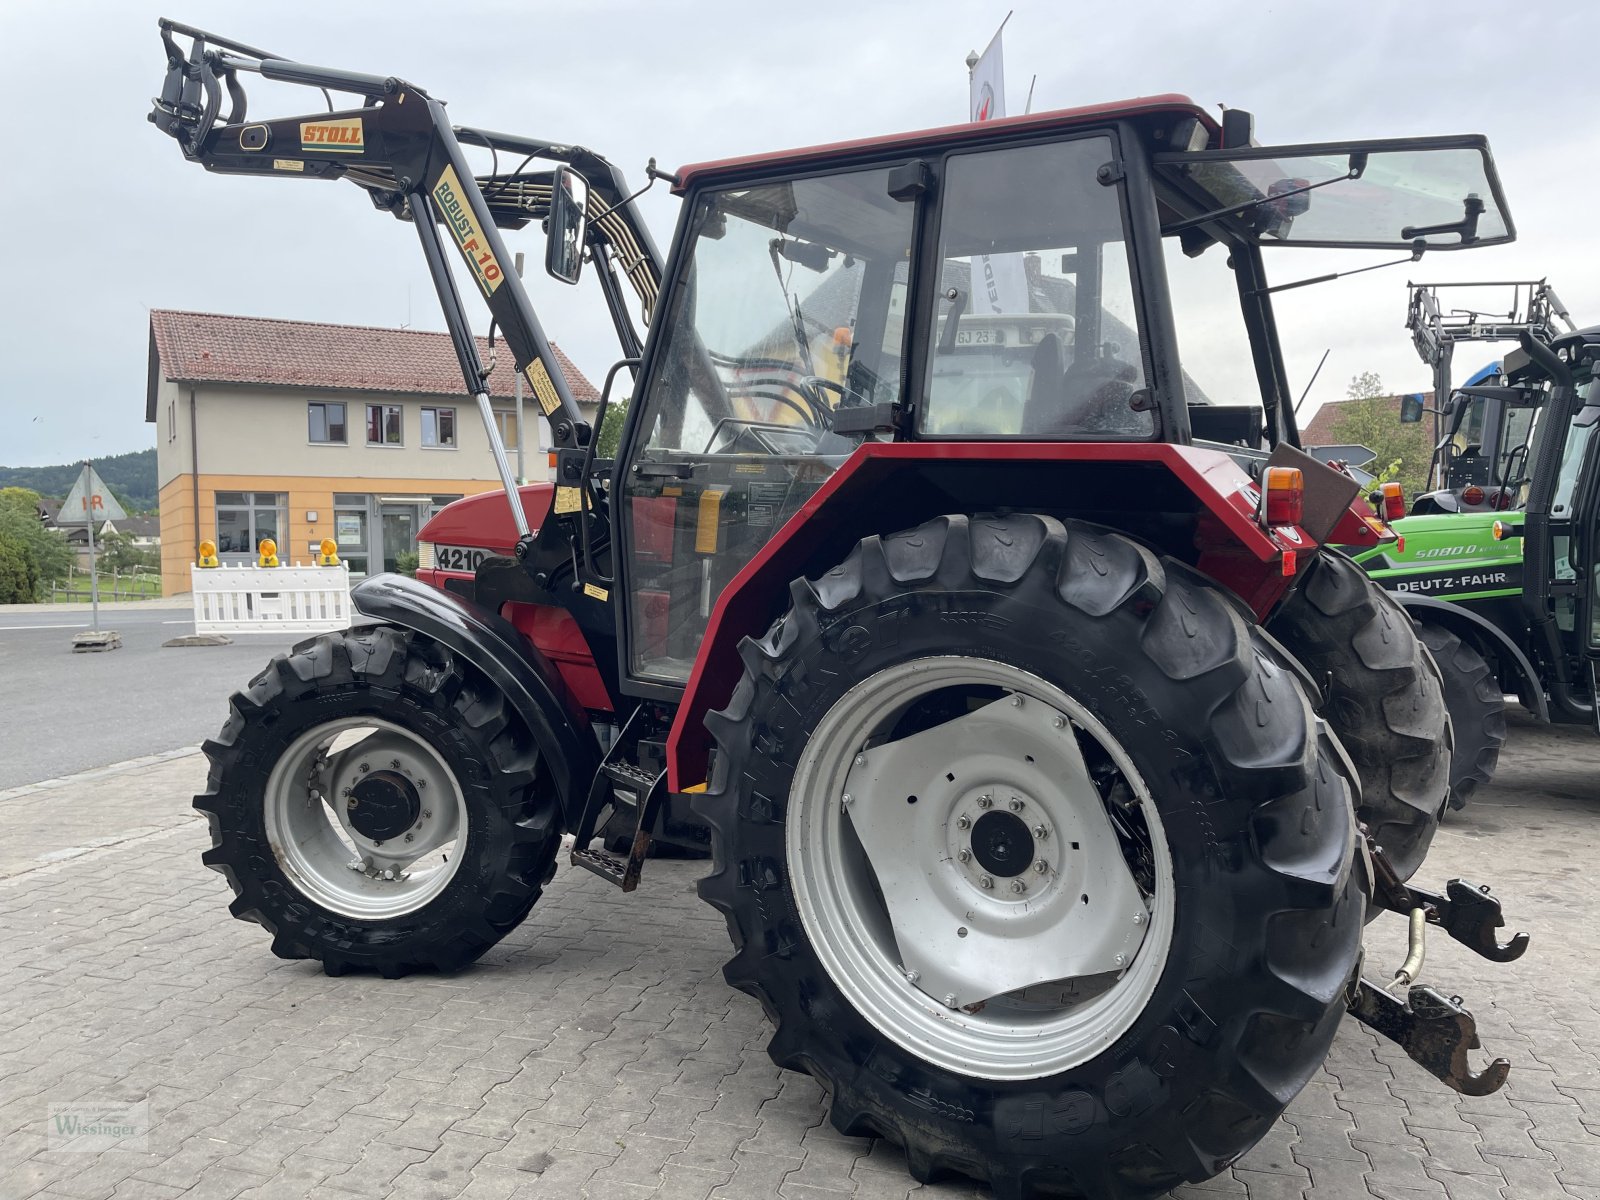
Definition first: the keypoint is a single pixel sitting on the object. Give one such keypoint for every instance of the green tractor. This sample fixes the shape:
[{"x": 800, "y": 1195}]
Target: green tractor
[{"x": 1501, "y": 598}]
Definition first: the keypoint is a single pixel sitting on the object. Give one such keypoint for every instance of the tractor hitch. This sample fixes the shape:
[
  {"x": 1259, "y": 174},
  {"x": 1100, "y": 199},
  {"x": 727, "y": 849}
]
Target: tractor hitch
[
  {"x": 1434, "y": 1030},
  {"x": 1467, "y": 912}
]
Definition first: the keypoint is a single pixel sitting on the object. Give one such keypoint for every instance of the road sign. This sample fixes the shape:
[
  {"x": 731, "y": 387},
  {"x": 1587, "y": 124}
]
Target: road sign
[{"x": 90, "y": 502}]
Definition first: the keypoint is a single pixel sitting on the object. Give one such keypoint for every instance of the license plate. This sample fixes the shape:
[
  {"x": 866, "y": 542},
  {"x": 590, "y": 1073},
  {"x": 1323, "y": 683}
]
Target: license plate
[{"x": 460, "y": 558}]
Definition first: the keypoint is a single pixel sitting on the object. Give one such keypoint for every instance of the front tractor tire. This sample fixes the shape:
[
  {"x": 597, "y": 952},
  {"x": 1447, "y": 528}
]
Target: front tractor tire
[
  {"x": 1036, "y": 855},
  {"x": 376, "y": 804},
  {"x": 1477, "y": 707},
  {"x": 1383, "y": 697}
]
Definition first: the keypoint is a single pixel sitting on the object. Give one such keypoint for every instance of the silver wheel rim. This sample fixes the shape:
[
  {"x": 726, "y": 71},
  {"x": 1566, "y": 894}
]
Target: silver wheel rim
[
  {"x": 907, "y": 928},
  {"x": 331, "y": 851}
]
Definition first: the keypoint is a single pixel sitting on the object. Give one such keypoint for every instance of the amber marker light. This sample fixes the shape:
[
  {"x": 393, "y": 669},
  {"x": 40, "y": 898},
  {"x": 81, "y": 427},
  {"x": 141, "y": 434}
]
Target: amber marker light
[{"x": 1285, "y": 495}]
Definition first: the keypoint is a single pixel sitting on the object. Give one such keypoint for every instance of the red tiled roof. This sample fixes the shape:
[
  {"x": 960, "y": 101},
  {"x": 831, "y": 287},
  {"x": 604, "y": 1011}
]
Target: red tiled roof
[{"x": 195, "y": 347}]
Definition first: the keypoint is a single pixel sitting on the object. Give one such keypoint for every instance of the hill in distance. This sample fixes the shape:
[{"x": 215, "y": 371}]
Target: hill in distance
[{"x": 131, "y": 478}]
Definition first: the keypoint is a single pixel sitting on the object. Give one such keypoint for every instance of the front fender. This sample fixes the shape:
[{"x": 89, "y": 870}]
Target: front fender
[
  {"x": 529, "y": 682},
  {"x": 1488, "y": 637}
]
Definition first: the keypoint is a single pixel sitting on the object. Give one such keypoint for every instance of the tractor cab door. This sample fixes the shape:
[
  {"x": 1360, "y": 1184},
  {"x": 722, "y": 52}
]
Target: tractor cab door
[
  {"x": 787, "y": 306},
  {"x": 1574, "y": 535}
]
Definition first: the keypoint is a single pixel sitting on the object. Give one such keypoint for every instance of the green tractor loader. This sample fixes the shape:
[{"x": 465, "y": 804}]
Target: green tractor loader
[{"x": 1503, "y": 599}]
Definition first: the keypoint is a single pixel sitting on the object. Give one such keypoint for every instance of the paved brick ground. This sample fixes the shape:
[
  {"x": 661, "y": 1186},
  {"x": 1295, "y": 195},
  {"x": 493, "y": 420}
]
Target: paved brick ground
[{"x": 597, "y": 1051}]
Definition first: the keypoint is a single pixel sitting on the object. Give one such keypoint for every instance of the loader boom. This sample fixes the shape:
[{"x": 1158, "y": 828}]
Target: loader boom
[{"x": 401, "y": 149}]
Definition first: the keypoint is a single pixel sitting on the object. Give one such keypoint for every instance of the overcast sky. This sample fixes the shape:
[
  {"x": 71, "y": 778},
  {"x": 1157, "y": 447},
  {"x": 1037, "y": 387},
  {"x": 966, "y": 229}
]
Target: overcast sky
[{"x": 108, "y": 221}]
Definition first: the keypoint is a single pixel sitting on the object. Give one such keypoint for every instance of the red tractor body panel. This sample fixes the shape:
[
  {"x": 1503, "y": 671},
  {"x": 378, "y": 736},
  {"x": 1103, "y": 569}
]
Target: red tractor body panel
[
  {"x": 948, "y": 135},
  {"x": 1255, "y": 563},
  {"x": 483, "y": 522}
]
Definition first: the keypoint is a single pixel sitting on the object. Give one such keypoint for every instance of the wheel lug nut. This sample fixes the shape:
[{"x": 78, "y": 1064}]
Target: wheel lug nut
[
  {"x": 427, "y": 814},
  {"x": 345, "y": 792},
  {"x": 985, "y": 882},
  {"x": 408, "y": 837},
  {"x": 394, "y": 764},
  {"x": 861, "y": 760},
  {"x": 1041, "y": 832},
  {"x": 1018, "y": 886},
  {"x": 963, "y": 821},
  {"x": 1041, "y": 867},
  {"x": 847, "y": 800},
  {"x": 1121, "y": 960},
  {"x": 1016, "y": 804},
  {"x": 912, "y": 976},
  {"x": 964, "y": 855},
  {"x": 949, "y": 999},
  {"x": 1138, "y": 918},
  {"x": 365, "y": 767},
  {"x": 1059, "y": 722},
  {"x": 1016, "y": 701},
  {"x": 985, "y": 800}
]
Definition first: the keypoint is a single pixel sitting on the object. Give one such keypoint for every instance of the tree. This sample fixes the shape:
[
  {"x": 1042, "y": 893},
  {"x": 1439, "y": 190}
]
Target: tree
[
  {"x": 611, "y": 429},
  {"x": 118, "y": 553},
  {"x": 18, "y": 584},
  {"x": 1371, "y": 418},
  {"x": 48, "y": 556}
]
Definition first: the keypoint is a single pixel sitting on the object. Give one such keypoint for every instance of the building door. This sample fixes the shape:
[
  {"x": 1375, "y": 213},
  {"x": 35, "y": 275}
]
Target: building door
[{"x": 399, "y": 523}]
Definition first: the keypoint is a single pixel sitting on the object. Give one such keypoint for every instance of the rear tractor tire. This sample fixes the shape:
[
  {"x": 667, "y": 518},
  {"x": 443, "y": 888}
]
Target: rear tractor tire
[
  {"x": 1036, "y": 854},
  {"x": 1383, "y": 697},
  {"x": 376, "y": 804},
  {"x": 1477, "y": 710}
]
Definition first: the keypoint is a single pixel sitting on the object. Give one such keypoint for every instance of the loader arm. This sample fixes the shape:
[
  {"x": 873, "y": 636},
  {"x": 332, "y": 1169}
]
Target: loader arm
[{"x": 399, "y": 147}]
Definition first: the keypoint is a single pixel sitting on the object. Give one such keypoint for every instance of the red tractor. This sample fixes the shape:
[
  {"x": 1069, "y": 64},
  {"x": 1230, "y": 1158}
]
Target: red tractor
[{"x": 1050, "y": 763}]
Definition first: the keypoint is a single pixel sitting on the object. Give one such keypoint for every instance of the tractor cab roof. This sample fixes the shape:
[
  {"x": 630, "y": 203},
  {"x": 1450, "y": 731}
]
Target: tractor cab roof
[{"x": 943, "y": 137}]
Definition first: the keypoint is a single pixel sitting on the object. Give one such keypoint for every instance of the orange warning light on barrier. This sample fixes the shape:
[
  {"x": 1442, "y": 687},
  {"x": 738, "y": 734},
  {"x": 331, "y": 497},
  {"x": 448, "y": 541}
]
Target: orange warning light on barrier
[
  {"x": 328, "y": 553},
  {"x": 268, "y": 553},
  {"x": 208, "y": 553}
]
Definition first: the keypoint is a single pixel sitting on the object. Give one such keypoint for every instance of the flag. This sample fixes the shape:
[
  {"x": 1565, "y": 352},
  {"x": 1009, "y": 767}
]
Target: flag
[{"x": 999, "y": 281}]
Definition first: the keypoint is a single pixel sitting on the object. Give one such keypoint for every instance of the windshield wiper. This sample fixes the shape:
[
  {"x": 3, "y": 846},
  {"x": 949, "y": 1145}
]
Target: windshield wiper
[{"x": 1358, "y": 164}]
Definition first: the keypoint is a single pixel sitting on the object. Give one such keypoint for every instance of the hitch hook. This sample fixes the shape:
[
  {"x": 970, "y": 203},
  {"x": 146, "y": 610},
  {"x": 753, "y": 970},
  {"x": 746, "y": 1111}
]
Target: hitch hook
[{"x": 1434, "y": 1030}]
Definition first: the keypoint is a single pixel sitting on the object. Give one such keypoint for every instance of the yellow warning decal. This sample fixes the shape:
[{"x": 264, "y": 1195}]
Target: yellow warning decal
[
  {"x": 543, "y": 390},
  {"x": 708, "y": 526},
  {"x": 463, "y": 225},
  {"x": 341, "y": 136},
  {"x": 697, "y": 788},
  {"x": 568, "y": 500},
  {"x": 288, "y": 164},
  {"x": 595, "y": 592}
]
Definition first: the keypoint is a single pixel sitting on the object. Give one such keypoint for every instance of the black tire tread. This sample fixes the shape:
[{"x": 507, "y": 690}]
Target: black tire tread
[
  {"x": 1255, "y": 713},
  {"x": 366, "y": 667},
  {"x": 1477, "y": 710},
  {"x": 1383, "y": 696}
]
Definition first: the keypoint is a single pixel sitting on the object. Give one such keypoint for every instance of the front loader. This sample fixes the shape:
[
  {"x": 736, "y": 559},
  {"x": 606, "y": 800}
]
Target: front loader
[{"x": 1051, "y": 766}]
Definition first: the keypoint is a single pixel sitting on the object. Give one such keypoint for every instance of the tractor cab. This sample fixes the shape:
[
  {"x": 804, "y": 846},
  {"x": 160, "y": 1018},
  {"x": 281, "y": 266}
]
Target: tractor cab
[
  {"x": 1480, "y": 463},
  {"x": 1561, "y": 527},
  {"x": 1044, "y": 279}
]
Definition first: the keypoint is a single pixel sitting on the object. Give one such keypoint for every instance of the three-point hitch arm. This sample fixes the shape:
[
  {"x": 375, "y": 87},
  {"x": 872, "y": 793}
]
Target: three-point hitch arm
[{"x": 398, "y": 146}]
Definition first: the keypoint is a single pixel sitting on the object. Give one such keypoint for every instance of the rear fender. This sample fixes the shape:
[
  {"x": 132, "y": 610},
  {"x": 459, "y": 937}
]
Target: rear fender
[
  {"x": 1488, "y": 638},
  {"x": 529, "y": 682},
  {"x": 1206, "y": 498}
]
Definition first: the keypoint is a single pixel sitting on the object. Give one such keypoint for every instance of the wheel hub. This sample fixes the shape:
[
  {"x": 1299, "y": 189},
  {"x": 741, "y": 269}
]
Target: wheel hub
[
  {"x": 383, "y": 805},
  {"x": 1002, "y": 844}
]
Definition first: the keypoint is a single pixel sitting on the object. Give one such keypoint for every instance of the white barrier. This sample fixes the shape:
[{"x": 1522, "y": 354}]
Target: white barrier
[{"x": 270, "y": 599}]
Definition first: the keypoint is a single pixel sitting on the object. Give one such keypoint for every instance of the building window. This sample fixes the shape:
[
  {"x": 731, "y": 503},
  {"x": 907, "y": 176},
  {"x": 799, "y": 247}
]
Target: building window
[
  {"x": 326, "y": 423},
  {"x": 172, "y": 420},
  {"x": 245, "y": 518},
  {"x": 505, "y": 420},
  {"x": 439, "y": 427},
  {"x": 383, "y": 425}
]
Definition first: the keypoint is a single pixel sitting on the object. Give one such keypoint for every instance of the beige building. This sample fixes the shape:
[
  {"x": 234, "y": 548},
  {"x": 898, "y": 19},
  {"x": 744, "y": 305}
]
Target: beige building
[{"x": 299, "y": 432}]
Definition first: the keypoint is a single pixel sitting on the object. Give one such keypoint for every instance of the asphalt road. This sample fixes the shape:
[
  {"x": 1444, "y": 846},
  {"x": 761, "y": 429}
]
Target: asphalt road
[{"x": 62, "y": 712}]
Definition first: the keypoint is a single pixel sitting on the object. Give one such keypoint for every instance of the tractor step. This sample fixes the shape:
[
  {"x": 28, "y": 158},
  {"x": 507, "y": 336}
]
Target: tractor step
[
  {"x": 1434, "y": 1030},
  {"x": 623, "y": 872}
]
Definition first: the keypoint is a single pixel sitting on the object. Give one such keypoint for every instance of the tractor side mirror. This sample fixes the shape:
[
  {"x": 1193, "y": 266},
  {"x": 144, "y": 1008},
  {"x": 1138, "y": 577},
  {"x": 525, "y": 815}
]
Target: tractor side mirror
[
  {"x": 1411, "y": 409},
  {"x": 569, "y": 204}
]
